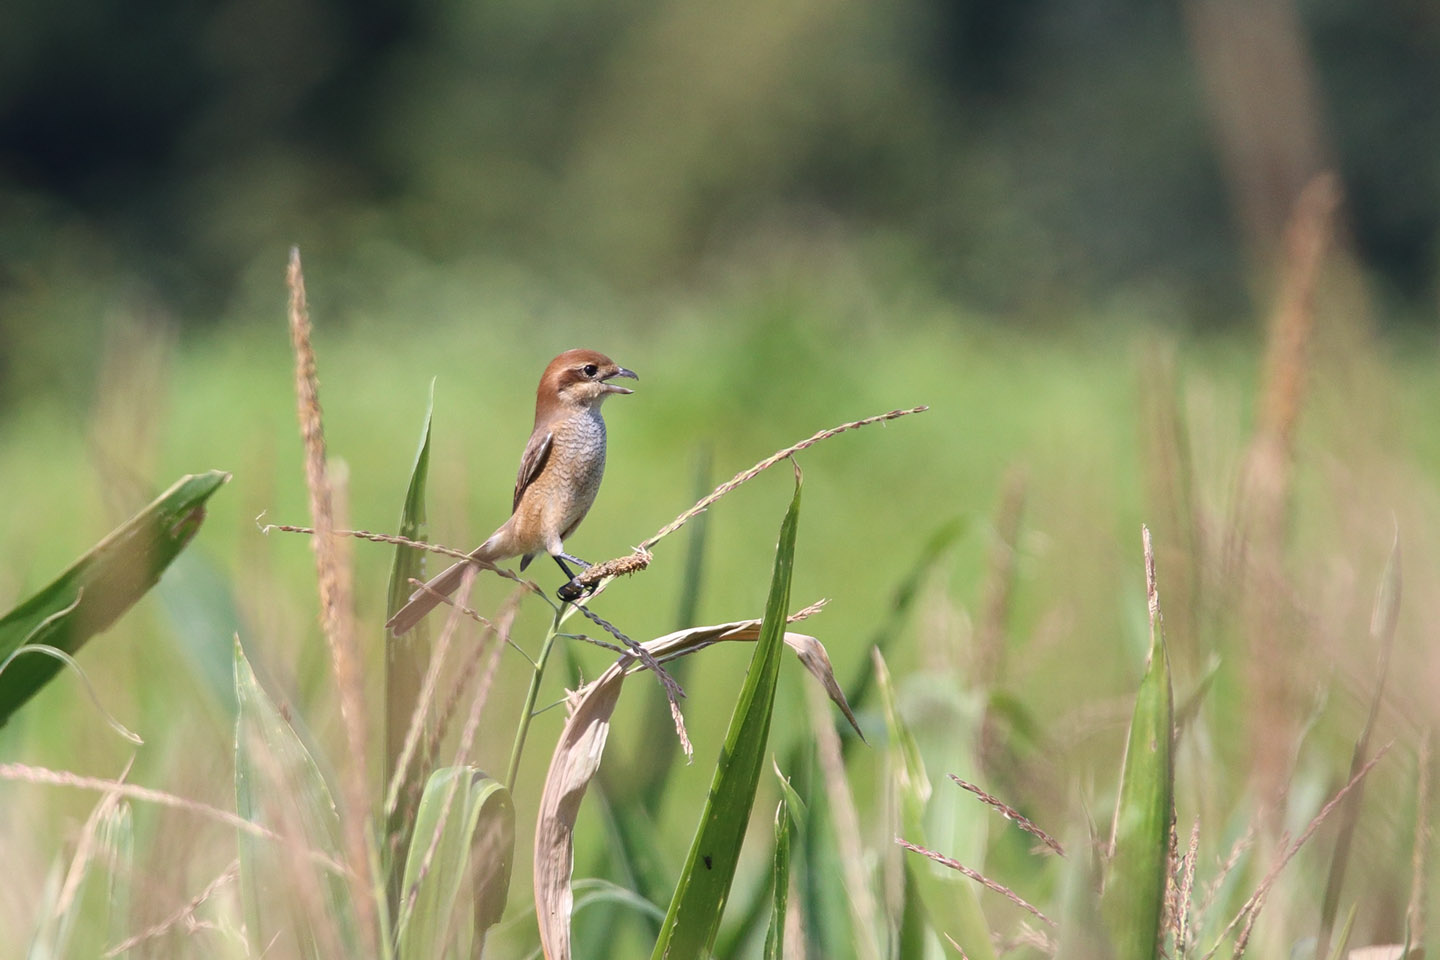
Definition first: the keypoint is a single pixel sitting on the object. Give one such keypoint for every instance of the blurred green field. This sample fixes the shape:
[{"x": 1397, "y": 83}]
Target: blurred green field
[{"x": 732, "y": 373}]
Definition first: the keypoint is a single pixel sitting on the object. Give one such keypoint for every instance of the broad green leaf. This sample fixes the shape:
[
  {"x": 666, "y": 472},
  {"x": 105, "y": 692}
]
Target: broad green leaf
[
  {"x": 449, "y": 903},
  {"x": 1134, "y": 896},
  {"x": 693, "y": 919},
  {"x": 100, "y": 586},
  {"x": 780, "y": 882},
  {"x": 948, "y": 897},
  {"x": 405, "y": 663},
  {"x": 295, "y": 905}
]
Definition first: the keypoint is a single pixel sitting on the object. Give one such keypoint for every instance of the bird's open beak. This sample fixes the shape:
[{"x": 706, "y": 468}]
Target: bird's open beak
[{"x": 619, "y": 372}]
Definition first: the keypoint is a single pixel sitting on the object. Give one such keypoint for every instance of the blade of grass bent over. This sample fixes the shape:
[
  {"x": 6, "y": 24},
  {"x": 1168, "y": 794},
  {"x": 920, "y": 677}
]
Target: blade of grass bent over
[
  {"x": 699, "y": 900},
  {"x": 100, "y": 586},
  {"x": 1134, "y": 896},
  {"x": 405, "y": 665}
]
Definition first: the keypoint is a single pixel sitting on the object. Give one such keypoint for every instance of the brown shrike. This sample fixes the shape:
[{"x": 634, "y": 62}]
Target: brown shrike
[{"x": 558, "y": 479}]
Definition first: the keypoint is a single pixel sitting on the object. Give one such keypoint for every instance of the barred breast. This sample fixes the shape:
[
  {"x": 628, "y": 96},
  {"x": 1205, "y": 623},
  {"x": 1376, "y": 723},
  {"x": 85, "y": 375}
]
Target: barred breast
[{"x": 576, "y": 466}]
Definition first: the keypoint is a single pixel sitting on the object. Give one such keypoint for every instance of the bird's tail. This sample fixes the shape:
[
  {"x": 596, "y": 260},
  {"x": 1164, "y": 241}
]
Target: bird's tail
[{"x": 423, "y": 600}]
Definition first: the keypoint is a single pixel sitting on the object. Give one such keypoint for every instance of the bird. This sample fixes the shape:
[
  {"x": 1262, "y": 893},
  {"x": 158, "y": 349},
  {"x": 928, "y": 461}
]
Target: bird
[{"x": 559, "y": 475}]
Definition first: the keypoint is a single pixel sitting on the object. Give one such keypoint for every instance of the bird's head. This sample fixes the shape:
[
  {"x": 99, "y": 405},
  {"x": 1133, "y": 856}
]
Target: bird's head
[{"x": 580, "y": 378}]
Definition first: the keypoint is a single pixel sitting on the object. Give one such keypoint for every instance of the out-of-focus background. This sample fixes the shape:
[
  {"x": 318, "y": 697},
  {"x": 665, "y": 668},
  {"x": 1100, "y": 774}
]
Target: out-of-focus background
[{"x": 1069, "y": 228}]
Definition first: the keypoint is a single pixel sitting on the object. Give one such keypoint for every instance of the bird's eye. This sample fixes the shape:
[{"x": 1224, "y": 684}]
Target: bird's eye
[{"x": 589, "y": 369}]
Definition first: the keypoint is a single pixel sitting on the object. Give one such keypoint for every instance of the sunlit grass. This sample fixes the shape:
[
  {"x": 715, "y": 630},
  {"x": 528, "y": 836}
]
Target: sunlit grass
[{"x": 739, "y": 375}]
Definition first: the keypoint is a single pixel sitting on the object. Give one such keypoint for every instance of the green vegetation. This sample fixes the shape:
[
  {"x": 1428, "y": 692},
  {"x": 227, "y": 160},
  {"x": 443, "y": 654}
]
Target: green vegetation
[{"x": 1015, "y": 648}]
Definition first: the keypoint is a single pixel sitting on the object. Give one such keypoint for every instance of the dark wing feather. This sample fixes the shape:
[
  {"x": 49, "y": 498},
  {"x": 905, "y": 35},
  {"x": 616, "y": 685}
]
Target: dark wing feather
[{"x": 537, "y": 451}]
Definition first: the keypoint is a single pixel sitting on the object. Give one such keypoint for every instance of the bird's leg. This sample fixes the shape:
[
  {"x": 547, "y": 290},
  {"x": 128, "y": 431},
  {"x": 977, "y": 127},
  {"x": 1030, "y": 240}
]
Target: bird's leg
[{"x": 571, "y": 591}]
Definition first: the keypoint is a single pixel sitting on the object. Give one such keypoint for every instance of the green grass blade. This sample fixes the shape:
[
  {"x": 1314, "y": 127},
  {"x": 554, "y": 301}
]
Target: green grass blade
[
  {"x": 451, "y": 901},
  {"x": 91, "y": 909},
  {"x": 595, "y": 891},
  {"x": 828, "y": 932},
  {"x": 948, "y": 898},
  {"x": 405, "y": 663},
  {"x": 100, "y": 586},
  {"x": 287, "y": 894},
  {"x": 1134, "y": 896},
  {"x": 780, "y": 882},
  {"x": 819, "y": 887},
  {"x": 693, "y": 918}
]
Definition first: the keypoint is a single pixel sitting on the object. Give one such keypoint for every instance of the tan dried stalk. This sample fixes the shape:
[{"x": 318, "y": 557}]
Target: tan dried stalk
[
  {"x": 62, "y": 778},
  {"x": 1255, "y": 556},
  {"x": 978, "y": 877},
  {"x": 501, "y": 629},
  {"x": 85, "y": 848},
  {"x": 1187, "y": 893},
  {"x": 1420, "y": 856},
  {"x": 336, "y": 611},
  {"x": 185, "y": 916},
  {"x": 746, "y": 475},
  {"x": 1011, "y": 814}
]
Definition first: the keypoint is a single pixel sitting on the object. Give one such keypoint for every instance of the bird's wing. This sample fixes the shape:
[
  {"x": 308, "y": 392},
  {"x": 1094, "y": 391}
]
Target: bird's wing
[{"x": 537, "y": 451}]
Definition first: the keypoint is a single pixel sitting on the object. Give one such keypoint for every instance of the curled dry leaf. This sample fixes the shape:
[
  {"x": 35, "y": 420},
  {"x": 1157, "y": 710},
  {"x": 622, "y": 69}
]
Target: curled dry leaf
[
  {"x": 814, "y": 658},
  {"x": 577, "y": 758}
]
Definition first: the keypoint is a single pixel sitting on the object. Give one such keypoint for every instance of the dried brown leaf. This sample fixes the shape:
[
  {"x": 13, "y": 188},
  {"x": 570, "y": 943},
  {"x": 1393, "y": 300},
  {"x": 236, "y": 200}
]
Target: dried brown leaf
[{"x": 577, "y": 758}]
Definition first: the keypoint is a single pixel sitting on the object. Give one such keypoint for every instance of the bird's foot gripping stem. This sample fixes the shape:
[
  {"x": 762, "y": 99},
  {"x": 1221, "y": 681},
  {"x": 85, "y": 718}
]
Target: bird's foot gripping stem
[{"x": 572, "y": 590}]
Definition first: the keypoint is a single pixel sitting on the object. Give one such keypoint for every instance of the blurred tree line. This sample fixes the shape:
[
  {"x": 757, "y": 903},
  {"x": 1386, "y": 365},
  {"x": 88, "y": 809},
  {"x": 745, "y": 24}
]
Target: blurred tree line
[{"x": 1030, "y": 158}]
